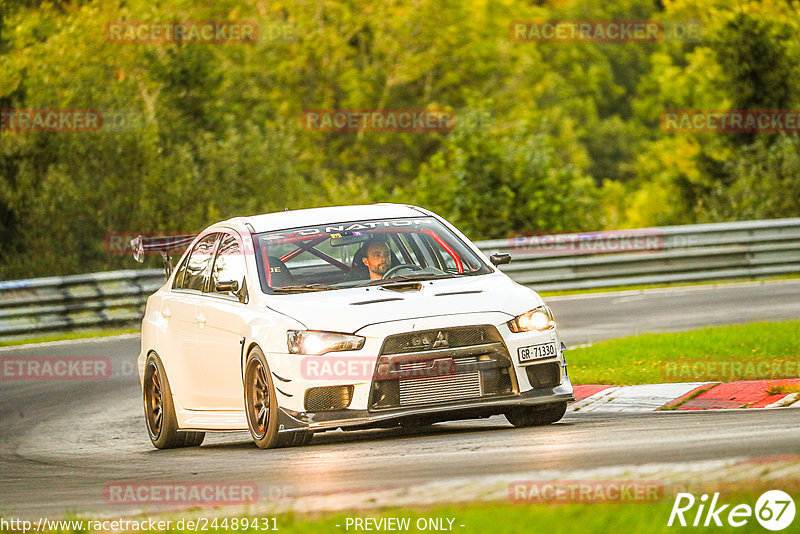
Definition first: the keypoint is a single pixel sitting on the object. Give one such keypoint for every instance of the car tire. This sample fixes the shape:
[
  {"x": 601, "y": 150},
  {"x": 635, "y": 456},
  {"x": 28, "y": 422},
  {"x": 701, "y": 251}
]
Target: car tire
[
  {"x": 533, "y": 416},
  {"x": 261, "y": 406},
  {"x": 159, "y": 410}
]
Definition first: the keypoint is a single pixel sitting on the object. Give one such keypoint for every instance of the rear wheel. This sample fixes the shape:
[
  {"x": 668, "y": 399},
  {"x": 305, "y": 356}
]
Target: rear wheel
[
  {"x": 534, "y": 416},
  {"x": 159, "y": 410},
  {"x": 261, "y": 406}
]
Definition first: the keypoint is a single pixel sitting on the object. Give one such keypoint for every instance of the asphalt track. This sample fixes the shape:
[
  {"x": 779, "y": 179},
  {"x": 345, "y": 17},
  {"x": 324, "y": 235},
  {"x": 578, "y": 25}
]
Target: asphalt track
[{"x": 63, "y": 442}]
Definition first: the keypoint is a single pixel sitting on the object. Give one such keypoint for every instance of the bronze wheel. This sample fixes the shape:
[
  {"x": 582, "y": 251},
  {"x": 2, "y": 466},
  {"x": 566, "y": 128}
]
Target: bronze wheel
[
  {"x": 261, "y": 406},
  {"x": 159, "y": 410}
]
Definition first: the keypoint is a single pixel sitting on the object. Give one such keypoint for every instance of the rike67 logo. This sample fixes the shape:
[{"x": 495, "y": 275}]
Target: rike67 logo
[{"x": 774, "y": 510}]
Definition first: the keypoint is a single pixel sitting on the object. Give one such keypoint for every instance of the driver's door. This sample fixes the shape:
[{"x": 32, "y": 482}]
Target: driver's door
[{"x": 221, "y": 329}]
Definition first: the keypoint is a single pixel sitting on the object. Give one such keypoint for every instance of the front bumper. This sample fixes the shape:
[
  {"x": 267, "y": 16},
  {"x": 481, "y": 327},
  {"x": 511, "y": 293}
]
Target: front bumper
[
  {"x": 476, "y": 345},
  {"x": 472, "y": 409}
]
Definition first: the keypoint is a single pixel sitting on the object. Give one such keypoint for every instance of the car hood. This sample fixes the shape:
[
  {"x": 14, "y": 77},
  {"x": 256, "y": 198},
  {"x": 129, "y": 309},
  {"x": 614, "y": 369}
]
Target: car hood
[{"x": 349, "y": 310}]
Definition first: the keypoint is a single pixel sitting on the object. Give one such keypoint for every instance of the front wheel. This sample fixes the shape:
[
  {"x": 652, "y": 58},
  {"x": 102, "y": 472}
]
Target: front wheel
[
  {"x": 159, "y": 410},
  {"x": 261, "y": 406},
  {"x": 531, "y": 416}
]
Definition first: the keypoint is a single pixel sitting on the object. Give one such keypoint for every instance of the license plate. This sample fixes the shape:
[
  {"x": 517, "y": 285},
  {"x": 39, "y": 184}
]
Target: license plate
[{"x": 536, "y": 352}]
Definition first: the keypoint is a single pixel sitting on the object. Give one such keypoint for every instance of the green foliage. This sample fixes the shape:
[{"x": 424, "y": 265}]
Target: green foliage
[
  {"x": 493, "y": 184},
  {"x": 549, "y": 137},
  {"x": 754, "y": 54},
  {"x": 767, "y": 180}
]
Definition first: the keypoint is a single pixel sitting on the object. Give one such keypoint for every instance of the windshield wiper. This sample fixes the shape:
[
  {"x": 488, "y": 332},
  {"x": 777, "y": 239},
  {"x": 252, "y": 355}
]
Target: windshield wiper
[
  {"x": 308, "y": 288},
  {"x": 409, "y": 278}
]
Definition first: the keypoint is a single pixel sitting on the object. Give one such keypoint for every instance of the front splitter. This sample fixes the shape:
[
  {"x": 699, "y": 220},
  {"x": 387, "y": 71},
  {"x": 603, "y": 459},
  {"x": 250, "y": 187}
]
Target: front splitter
[{"x": 469, "y": 409}]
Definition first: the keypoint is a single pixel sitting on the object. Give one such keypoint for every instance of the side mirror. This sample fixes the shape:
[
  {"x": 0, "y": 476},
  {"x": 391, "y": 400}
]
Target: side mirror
[
  {"x": 226, "y": 286},
  {"x": 500, "y": 258}
]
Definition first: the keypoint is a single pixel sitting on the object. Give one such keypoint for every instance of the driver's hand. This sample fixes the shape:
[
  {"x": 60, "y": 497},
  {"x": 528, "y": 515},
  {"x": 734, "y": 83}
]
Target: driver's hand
[{"x": 393, "y": 271}]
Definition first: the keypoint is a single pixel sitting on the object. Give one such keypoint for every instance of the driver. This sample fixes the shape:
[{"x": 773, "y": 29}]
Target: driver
[{"x": 377, "y": 258}]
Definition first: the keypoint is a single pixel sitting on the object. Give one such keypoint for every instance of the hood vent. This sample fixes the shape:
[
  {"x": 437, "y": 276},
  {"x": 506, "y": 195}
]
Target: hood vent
[
  {"x": 375, "y": 301},
  {"x": 472, "y": 292},
  {"x": 403, "y": 286}
]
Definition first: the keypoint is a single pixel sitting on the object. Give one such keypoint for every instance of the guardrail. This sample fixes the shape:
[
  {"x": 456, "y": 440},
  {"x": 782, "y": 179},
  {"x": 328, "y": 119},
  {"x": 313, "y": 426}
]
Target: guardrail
[
  {"x": 69, "y": 302},
  {"x": 749, "y": 249}
]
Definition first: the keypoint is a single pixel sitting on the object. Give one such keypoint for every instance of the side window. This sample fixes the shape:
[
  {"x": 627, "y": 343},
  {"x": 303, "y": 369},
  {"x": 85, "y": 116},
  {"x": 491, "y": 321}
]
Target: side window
[
  {"x": 177, "y": 283},
  {"x": 229, "y": 266},
  {"x": 397, "y": 257},
  {"x": 193, "y": 276},
  {"x": 442, "y": 256}
]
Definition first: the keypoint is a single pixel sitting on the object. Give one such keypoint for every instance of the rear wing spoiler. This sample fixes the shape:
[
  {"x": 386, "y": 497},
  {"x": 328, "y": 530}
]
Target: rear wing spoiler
[{"x": 164, "y": 245}]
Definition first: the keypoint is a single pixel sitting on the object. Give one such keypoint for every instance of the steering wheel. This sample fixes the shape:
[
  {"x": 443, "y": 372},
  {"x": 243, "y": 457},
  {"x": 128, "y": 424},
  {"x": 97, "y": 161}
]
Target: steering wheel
[{"x": 396, "y": 268}]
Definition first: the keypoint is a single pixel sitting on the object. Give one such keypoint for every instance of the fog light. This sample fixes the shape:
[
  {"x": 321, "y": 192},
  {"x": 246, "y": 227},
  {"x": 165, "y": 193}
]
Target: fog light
[{"x": 328, "y": 398}]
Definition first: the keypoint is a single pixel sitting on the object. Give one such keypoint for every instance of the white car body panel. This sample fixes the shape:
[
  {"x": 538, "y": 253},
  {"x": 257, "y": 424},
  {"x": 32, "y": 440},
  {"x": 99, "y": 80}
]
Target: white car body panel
[
  {"x": 487, "y": 293},
  {"x": 202, "y": 339}
]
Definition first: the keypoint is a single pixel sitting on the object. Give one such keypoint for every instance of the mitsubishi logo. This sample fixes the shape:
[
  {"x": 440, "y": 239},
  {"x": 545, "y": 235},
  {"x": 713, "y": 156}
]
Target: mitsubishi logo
[
  {"x": 424, "y": 341},
  {"x": 441, "y": 341}
]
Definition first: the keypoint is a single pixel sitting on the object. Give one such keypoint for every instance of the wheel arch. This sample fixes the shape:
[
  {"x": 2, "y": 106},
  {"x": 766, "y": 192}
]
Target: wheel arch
[
  {"x": 245, "y": 353},
  {"x": 152, "y": 352}
]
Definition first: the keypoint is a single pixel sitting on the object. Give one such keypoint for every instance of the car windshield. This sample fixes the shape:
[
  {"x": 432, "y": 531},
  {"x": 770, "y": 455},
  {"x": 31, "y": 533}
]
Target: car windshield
[{"x": 357, "y": 253}]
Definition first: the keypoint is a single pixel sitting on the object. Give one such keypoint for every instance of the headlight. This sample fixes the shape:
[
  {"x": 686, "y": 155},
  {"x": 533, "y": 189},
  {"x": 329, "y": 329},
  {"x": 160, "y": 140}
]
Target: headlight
[
  {"x": 313, "y": 342},
  {"x": 540, "y": 319}
]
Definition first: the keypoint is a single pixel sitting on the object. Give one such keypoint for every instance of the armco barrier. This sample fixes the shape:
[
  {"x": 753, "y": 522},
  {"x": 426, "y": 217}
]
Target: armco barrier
[
  {"x": 68, "y": 302},
  {"x": 749, "y": 249}
]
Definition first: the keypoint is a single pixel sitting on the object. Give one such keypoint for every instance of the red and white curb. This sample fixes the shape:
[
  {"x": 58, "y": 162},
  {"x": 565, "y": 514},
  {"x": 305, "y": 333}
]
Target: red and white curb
[{"x": 685, "y": 396}]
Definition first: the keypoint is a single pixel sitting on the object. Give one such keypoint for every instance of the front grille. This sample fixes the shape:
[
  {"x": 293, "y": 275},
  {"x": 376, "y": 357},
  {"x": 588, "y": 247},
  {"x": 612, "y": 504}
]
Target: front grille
[
  {"x": 544, "y": 375},
  {"x": 411, "y": 368},
  {"x": 498, "y": 380},
  {"x": 328, "y": 398},
  {"x": 465, "y": 336},
  {"x": 440, "y": 366},
  {"x": 440, "y": 389}
]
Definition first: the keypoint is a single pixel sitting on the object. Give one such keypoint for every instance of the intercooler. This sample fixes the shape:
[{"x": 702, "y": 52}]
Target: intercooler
[
  {"x": 440, "y": 389},
  {"x": 441, "y": 366}
]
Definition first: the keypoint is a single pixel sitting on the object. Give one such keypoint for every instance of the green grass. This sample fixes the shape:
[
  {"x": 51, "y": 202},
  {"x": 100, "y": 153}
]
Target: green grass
[
  {"x": 782, "y": 390},
  {"x": 727, "y": 281},
  {"x": 642, "y": 359},
  {"x": 504, "y": 517},
  {"x": 677, "y": 403},
  {"x": 60, "y": 336}
]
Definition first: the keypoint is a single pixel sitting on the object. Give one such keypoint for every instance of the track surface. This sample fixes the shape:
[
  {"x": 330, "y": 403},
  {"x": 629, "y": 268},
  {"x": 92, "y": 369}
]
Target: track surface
[{"x": 61, "y": 442}]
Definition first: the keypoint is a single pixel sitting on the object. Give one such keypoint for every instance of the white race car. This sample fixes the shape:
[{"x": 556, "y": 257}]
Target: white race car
[{"x": 291, "y": 323}]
